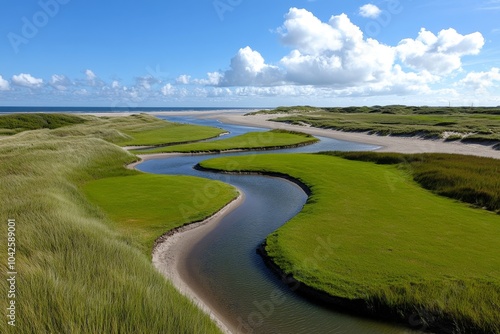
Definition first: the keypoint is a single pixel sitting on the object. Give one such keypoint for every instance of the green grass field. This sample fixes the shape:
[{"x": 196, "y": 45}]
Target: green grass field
[
  {"x": 370, "y": 232},
  {"x": 250, "y": 141},
  {"x": 82, "y": 269},
  {"x": 143, "y": 207},
  {"x": 159, "y": 132},
  {"x": 469, "y": 179},
  {"x": 466, "y": 124}
]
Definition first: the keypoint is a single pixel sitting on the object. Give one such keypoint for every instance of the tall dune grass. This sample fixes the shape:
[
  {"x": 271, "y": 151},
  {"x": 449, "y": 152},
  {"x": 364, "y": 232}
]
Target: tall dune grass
[{"x": 75, "y": 272}]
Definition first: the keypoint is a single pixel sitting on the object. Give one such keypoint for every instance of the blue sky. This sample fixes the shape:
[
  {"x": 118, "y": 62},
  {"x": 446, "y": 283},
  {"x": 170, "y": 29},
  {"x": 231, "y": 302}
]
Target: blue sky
[{"x": 249, "y": 53}]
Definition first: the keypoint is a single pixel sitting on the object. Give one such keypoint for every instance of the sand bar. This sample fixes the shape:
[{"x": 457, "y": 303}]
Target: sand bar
[{"x": 388, "y": 143}]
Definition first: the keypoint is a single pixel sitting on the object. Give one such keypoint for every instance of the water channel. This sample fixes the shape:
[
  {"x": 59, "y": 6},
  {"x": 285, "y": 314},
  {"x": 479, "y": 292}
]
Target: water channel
[{"x": 228, "y": 272}]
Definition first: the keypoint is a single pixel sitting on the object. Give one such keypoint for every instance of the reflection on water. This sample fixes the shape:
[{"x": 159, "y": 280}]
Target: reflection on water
[{"x": 233, "y": 277}]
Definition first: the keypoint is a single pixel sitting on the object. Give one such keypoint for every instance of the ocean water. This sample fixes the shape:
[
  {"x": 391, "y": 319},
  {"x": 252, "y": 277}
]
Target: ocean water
[{"x": 112, "y": 109}]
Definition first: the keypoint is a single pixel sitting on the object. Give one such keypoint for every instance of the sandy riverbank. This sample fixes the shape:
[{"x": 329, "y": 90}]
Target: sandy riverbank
[
  {"x": 172, "y": 248},
  {"x": 387, "y": 143}
]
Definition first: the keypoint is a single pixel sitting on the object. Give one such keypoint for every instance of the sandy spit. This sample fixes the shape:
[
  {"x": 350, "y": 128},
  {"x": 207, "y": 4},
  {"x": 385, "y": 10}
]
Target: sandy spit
[{"x": 387, "y": 143}]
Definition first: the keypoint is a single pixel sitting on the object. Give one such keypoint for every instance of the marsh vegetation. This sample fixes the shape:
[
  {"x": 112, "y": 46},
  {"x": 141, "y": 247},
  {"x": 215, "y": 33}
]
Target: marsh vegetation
[
  {"x": 392, "y": 244},
  {"x": 274, "y": 139},
  {"x": 466, "y": 124}
]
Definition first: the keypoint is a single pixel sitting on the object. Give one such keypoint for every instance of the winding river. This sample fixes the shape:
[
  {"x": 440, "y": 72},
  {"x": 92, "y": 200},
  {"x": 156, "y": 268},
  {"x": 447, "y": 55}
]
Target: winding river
[{"x": 224, "y": 267}]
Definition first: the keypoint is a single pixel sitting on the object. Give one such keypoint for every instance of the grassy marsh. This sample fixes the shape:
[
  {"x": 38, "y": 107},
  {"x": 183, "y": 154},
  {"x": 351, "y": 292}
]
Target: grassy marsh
[
  {"x": 273, "y": 139},
  {"x": 389, "y": 241},
  {"x": 143, "y": 207},
  {"x": 79, "y": 271},
  {"x": 467, "y": 124},
  {"x": 468, "y": 179}
]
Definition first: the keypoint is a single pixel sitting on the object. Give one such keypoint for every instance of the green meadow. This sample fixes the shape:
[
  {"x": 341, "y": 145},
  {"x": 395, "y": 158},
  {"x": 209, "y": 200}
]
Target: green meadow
[
  {"x": 370, "y": 232},
  {"x": 158, "y": 132},
  {"x": 273, "y": 139},
  {"x": 476, "y": 124},
  {"x": 143, "y": 207},
  {"x": 466, "y": 178},
  {"x": 83, "y": 262}
]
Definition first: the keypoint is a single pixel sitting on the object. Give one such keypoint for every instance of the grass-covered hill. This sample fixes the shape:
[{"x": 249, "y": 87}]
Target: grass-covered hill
[
  {"x": 81, "y": 266},
  {"x": 14, "y": 123}
]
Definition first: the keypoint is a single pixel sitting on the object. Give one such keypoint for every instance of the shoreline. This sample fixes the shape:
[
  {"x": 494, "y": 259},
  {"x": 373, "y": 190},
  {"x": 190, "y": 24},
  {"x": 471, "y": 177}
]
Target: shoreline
[
  {"x": 397, "y": 144},
  {"x": 171, "y": 247},
  {"x": 408, "y": 145}
]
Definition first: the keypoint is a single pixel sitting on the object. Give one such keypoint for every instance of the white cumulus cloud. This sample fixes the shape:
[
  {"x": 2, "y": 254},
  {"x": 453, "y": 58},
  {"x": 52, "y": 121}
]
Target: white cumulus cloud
[
  {"x": 60, "y": 82},
  {"x": 183, "y": 79},
  {"x": 90, "y": 75},
  {"x": 481, "y": 80},
  {"x": 369, "y": 10},
  {"x": 168, "y": 90},
  {"x": 304, "y": 31},
  {"x": 333, "y": 53},
  {"x": 27, "y": 80},
  {"x": 92, "y": 80},
  {"x": 441, "y": 53},
  {"x": 4, "y": 84},
  {"x": 248, "y": 68},
  {"x": 213, "y": 79}
]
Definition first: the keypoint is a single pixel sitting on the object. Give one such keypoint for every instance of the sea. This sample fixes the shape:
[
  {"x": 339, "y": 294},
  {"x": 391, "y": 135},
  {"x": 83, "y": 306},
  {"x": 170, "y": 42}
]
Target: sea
[{"x": 114, "y": 109}]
